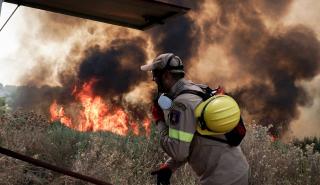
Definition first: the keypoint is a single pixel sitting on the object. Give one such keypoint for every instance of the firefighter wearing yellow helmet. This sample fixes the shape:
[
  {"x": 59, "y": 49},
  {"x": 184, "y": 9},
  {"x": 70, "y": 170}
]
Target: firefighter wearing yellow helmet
[{"x": 182, "y": 136}]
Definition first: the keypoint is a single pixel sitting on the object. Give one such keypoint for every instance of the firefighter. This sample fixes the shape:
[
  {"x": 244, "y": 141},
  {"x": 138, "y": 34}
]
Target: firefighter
[{"x": 214, "y": 162}]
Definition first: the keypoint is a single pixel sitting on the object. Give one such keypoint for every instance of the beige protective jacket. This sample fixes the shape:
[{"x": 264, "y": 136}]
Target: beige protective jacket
[{"x": 214, "y": 162}]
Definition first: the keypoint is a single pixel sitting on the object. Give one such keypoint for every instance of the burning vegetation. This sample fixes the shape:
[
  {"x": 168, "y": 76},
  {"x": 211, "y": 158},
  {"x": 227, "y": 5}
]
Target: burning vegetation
[
  {"x": 97, "y": 102},
  {"x": 95, "y": 114}
]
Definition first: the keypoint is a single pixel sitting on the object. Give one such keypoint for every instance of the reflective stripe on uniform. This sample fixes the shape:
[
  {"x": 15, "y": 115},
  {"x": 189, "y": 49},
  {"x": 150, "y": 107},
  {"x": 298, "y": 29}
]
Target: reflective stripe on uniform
[{"x": 180, "y": 135}]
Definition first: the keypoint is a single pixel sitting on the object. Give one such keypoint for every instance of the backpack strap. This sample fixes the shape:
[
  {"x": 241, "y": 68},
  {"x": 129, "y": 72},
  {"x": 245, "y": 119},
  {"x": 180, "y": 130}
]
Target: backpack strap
[{"x": 203, "y": 95}]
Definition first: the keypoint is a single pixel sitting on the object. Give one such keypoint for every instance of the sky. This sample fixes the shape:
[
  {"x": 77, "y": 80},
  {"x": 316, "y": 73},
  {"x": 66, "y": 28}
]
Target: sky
[
  {"x": 18, "y": 40},
  {"x": 10, "y": 67}
]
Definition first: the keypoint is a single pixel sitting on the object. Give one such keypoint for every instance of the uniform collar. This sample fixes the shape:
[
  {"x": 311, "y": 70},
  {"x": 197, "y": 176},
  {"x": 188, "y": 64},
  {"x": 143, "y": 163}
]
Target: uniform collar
[{"x": 178, "y": 86}]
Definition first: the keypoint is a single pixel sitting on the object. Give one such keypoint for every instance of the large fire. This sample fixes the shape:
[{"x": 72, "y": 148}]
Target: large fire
[{"x": 95, "y": 114}]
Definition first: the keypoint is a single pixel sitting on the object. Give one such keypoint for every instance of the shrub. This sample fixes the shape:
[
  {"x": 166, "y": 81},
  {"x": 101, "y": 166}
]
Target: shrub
[
  {"x": 303, "y": 144},
  {"x": 129, "y": 160},
  {"x": 274, "y": 162}
]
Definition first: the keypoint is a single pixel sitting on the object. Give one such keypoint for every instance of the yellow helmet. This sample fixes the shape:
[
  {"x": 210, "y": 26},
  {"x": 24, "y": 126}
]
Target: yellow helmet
[{"x": 217, "y": 115}]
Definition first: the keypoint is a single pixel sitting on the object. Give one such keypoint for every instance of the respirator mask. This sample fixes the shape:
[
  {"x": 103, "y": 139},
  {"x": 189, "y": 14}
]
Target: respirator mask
[{"x": 164, "y": 102}]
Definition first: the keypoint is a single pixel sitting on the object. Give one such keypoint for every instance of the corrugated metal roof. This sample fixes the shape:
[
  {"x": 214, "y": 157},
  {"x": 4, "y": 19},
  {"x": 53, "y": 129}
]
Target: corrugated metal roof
[{"x": 138, "y": 14}]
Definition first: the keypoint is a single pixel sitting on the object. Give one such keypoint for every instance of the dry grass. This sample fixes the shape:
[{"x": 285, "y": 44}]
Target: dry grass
[{"x": 129, "y": 160}]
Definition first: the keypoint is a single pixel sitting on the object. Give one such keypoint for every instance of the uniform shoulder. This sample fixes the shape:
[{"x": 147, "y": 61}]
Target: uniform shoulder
[{"x": 189, "y": 99}]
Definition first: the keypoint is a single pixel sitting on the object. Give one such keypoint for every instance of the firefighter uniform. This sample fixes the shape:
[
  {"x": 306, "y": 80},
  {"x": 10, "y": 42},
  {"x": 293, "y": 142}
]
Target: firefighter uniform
[{"x": 214, "y": 162}]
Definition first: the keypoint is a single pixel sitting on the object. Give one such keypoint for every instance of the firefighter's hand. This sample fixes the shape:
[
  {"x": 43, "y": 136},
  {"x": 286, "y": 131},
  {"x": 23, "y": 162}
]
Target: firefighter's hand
[
  {"x": 163, "y": 175},
  {"x": 157, "y": 112}
]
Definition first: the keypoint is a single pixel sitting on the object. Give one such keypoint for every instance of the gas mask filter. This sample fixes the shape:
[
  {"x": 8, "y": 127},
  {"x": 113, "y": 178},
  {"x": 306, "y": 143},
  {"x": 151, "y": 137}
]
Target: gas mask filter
[{"x": 164, "y": 102}]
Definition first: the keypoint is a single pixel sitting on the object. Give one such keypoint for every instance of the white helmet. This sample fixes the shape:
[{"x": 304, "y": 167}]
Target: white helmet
[{"x": 166, "y": 61}]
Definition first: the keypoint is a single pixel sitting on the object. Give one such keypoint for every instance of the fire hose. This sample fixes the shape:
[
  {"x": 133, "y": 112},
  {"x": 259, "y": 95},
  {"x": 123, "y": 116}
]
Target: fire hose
[{"x": 51, "y": 167}]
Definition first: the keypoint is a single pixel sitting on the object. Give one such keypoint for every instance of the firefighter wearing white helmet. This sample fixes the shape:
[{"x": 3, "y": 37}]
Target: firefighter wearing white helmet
[{"x": 183, "y": 138}]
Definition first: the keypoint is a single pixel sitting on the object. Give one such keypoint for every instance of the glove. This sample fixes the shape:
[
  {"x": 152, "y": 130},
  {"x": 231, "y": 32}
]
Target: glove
[
  {"x": 163, "y": 175},
  {"x": 157, "y": 112}
]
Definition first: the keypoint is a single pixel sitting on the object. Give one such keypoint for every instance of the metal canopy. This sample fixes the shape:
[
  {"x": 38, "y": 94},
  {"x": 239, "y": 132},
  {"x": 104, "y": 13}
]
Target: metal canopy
[{"x": 138, "y": 14}]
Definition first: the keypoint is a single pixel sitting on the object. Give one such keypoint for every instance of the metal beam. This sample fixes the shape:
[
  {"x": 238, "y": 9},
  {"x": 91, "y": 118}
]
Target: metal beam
[
  {"x": 137, "y": 14},
  {"x": 37, "y": 162}
]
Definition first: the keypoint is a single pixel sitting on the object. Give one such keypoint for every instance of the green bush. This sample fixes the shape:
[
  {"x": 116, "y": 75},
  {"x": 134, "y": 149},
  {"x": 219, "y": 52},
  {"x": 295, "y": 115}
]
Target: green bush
[{"x": 305, "y": 142}]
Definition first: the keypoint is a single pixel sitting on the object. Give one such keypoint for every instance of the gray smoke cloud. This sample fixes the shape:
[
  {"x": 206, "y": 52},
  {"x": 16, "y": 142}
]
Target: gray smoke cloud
[
  {"x": 180, "y": 35},
  {"x": 274, "y": 61},
  {"x": 283, "y": 61},
  {"x": 114, "y": 68}
]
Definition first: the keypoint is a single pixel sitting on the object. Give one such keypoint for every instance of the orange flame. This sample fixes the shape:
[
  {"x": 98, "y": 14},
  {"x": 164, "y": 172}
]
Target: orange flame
[
  {"x": 57, "y": 114},
  {"x": 135, "y": 128},
  {"x": 146, "y": 125},
  {"x": 273, "y": 138},
  {"x": 95, "y": 114}
]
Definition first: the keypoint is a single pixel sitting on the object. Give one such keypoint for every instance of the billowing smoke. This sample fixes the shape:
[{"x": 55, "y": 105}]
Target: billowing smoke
[
  {"x": 115, "y": 71},
  {"x": 283, "y": 61},
  {"x": 275, "y": 60},
  {"x": 114, "y": 68},
  {"x": 58, "y": 26},
  {"x": 180, "y": 35},
  {"x": 34, "y": 98},
  {"x": 108, "y": 55}
]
